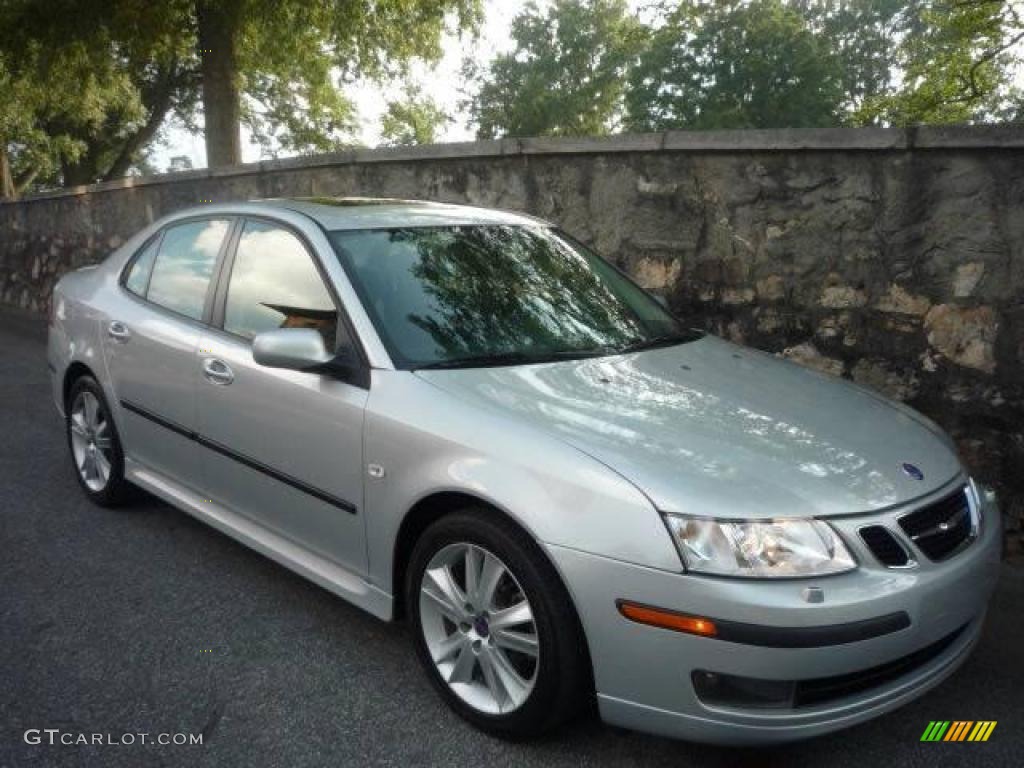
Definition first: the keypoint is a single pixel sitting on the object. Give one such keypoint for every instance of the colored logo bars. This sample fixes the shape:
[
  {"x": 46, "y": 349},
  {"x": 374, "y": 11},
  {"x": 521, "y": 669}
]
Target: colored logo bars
[{"x": 958, "y": 730}]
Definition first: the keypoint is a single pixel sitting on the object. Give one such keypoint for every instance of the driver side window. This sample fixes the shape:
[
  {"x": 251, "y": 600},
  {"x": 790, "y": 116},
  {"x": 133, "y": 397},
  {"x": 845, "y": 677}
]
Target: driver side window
[{"x": 275, "y": 284}]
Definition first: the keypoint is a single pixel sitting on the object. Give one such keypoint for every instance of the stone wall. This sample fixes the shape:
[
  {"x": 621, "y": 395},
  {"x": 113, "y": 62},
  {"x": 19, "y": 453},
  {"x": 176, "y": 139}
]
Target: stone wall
[{"x": 895, "y": 258}]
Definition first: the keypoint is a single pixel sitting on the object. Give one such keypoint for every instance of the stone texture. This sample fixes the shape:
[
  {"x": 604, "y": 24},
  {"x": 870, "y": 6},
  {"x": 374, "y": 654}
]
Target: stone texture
[
  {"x": 966, "y": 278},
  {"x": 771, "y": 288},
  {"x": 808, "y": 355},
  {"x": 655, "y": 275},
  {"x": 899, "y": 301},
  {"x": 894, "y": 258},
  {"x": 842, "y": 296},
  {"x": 737, "y": 295},
  {"x": 899, "y": 384},
  {"x": 965, "y": 335}
]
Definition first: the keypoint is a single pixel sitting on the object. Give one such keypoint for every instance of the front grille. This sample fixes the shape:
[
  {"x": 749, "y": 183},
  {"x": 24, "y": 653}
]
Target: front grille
[
  {"x": 940, "y": 529},
  {"x": 824, "y": 689},
  {"x": 884, "y": 546},
  {"x": 721, "y": 690}
]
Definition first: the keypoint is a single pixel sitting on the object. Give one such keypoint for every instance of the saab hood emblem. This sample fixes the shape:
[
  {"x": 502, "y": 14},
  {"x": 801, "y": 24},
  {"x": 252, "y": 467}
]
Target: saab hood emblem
[{"x": 911, "y": 471}]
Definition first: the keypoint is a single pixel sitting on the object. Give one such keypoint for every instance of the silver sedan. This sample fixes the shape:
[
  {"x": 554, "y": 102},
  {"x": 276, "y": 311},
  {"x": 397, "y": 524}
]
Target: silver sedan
[{"x": 465, "y": 418}]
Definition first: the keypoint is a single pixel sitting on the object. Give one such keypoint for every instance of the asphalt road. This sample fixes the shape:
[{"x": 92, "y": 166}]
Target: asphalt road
[{"x": 143, "y": 620}]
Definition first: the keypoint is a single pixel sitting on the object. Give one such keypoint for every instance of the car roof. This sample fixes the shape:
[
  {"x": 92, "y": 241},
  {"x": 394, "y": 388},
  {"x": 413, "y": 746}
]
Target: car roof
[{"x": 334, "y": 213}]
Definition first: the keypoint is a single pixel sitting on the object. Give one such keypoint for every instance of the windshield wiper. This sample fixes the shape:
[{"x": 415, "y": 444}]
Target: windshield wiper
[
  {"x": 512, "y": 358},
  {"x": 529, "y": 358},
  {"x": 664, "y": 340}
]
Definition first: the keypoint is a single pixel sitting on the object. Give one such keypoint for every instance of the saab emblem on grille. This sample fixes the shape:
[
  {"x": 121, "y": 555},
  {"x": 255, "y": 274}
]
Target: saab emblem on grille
[{"x": 911, "y": 471}]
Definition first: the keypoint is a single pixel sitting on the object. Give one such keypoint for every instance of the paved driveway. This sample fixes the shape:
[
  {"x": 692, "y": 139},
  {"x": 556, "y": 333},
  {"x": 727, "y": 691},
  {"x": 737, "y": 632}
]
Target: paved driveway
[{"x": 143, "y": 620}]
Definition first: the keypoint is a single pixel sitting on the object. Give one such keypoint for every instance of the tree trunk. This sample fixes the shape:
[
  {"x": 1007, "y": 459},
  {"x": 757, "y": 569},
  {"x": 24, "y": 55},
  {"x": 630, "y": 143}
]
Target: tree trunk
[
  {"x": 6, "y": 182},
  {"x": 218, "y": 37},
  {"x": 83, "y": 171}
]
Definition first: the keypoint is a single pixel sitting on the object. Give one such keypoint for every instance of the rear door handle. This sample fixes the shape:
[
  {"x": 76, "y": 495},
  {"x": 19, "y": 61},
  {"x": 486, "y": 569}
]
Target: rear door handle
[
  {"x": 118, "y": 331},
  {"x": 218, "y": 371}
]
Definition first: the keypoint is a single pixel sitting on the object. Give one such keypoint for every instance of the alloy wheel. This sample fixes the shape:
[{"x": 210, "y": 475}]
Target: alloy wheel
[
  {"x": 91, "y": 440},
  {"x": 479, "y": 628}
]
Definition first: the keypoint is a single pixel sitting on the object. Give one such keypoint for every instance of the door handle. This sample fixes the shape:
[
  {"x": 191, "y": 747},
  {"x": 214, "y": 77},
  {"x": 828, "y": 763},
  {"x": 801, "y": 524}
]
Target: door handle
[
  {"x": 118, "y": 331},
  {"x": 217, "y": 371}
]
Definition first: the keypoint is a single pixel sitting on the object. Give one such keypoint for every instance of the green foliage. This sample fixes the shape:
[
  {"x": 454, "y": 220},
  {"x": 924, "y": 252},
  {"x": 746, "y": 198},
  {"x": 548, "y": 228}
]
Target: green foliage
[
  {"x": 50, "y": 102},
  {"x": 292, "y": 54},
  {"x": 415, "y": 119},
  {"x": 141, "y": 67},
  {"x": 566, "y": 76},
  {"x": 293, "y": 59},
  {"x": 861, "y": 34},
  {"x": 86, "y": 86},
  {"x": 536, "y": 273},
  {"x": 700, "y": 64},
  {"x": 956, "y": 58},
  {"x": 734, "y": 64}
]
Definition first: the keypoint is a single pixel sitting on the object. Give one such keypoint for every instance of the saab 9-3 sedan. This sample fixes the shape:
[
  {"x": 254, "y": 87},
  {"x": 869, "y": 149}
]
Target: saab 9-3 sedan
[{"x": 465, "y": 418}]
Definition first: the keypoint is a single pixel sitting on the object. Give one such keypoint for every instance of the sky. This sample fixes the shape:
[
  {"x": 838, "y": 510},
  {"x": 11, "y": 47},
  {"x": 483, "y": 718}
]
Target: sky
[{"x": 441, "y": 82}]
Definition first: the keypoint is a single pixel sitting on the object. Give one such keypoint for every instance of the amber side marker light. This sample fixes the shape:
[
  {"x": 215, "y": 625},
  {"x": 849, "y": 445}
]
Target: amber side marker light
[{"x": 656, "y": 617}]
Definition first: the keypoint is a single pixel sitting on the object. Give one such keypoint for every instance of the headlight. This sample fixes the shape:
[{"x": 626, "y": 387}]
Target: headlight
[{"x": 763, "y": 549}]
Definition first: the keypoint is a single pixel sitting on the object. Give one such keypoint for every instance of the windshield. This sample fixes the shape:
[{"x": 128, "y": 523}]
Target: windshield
[{"x": 473, "y": 295}]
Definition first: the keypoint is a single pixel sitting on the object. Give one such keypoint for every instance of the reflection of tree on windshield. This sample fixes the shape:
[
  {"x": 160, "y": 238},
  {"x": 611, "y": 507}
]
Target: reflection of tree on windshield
[
  {"x": 499, "y": 289},
  {"x": 451, "y": 294}
]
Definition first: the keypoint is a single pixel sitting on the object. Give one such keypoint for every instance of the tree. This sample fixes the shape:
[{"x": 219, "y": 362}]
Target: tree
[
  {"x": 862, "y": 35},
  {"x": 135, "y": 43},
  {"x": 48, "y": 104},
  {"x": 566, "y": 76},
  {"x": 218, "y": 27},
  {"x": 768, "y": 63},
  {"x": 735, "y": 64},
  {"x": 415, "y": 119},
  {"x": 277, "y": 67},
  {"x": 956, "y": 60},
  {"x": 283, "y": 56}
]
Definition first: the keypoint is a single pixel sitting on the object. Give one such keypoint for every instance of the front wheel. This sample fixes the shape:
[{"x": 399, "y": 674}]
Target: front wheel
[{"x": 494, "y": 626}]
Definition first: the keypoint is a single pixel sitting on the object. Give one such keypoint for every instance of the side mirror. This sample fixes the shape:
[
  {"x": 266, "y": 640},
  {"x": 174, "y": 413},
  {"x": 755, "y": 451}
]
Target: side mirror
[
  {"x": 298, "y": 349},
  {"x": 302, "y": 349}
]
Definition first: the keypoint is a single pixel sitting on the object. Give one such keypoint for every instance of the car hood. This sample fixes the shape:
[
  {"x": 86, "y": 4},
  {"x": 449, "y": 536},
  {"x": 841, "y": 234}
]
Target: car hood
[{"x": 715, "y": 429}]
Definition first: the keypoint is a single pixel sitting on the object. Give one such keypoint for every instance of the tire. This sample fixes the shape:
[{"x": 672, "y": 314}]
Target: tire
[
  {"x": 485, "y": 688},
  {"x": 94, "y": 444}
]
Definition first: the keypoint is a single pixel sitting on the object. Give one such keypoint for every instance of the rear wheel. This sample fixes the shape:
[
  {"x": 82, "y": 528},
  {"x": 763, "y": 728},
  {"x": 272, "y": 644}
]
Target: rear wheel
[
  {"x": 494, "y": 627},
  {"x": 94, "y": 444}
]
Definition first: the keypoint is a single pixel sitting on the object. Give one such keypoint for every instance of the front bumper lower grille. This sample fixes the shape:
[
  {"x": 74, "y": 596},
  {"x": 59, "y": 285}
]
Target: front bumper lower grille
[
  {"x": 737, "y": 692},
  {"x": 825, "y": 689}
]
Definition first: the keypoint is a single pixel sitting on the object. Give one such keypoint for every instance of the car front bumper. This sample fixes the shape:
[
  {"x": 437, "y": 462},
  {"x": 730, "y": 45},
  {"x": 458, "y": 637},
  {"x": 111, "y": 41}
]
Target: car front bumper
[{"x": 643, "y": 673}]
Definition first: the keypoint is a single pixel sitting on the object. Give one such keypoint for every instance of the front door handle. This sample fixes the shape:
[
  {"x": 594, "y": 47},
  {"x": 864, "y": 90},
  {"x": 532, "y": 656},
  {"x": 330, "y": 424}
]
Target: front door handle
[
  {"x": 218, "y": 371},
  {"x": 118, "y": 331}
]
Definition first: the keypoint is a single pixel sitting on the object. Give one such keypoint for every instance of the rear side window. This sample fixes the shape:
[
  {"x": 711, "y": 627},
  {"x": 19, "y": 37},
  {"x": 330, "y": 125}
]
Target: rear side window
[
  {"x": 137, "y": 279},
  {"x": 275, "y": 284},
  {"x": 184, "y": 265}
]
